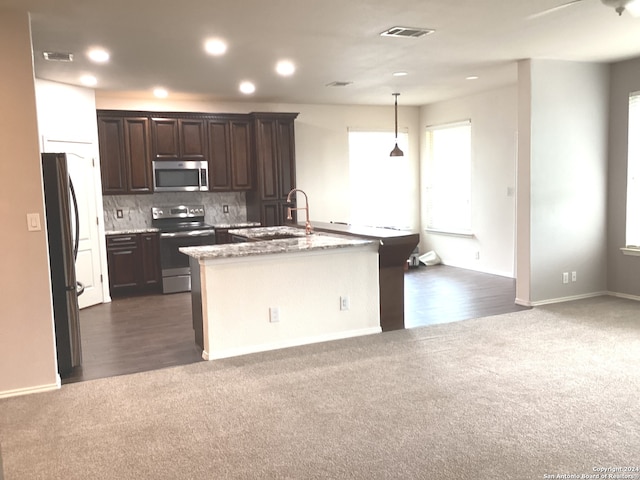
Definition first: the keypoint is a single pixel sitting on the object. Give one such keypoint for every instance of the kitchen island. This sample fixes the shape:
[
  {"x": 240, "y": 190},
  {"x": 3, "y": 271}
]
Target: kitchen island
[
  {"x": 395, "y": 246},
  {"x": 290, "y": 289}
]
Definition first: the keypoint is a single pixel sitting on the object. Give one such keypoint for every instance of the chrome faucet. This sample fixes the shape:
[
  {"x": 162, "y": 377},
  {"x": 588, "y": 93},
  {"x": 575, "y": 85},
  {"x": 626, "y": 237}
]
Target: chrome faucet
[{"x": 308, "y": 228}]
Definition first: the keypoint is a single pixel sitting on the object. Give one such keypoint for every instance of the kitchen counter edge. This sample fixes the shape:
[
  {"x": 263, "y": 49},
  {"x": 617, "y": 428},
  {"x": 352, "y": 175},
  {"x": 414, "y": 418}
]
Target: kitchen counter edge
[
  {"x": 305, "y": 243},
  {"x": 131, "y": 231}
]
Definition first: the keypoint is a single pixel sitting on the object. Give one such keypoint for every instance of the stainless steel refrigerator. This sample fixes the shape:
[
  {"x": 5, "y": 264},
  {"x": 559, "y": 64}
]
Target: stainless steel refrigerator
[{"x": 62, "y": 221}]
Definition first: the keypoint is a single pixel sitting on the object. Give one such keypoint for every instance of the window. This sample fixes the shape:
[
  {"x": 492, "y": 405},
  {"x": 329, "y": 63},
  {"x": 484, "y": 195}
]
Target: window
[
  {"x": 448, "y": 178},
  {"x": 379, "y": 196},
  {"x": 633, "y": 174}
]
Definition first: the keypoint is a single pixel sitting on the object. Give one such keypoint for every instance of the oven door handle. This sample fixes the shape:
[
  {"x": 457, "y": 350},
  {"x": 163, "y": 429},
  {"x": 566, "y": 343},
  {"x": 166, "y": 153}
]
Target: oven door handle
[{"x": 189, "y": 234}]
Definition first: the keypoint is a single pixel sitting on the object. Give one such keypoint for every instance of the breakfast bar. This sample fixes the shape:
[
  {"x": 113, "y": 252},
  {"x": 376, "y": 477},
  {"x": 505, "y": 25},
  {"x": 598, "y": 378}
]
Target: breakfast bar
[
  {"x": 394, "y": 248},
  {"x": 281, "y": 288}
]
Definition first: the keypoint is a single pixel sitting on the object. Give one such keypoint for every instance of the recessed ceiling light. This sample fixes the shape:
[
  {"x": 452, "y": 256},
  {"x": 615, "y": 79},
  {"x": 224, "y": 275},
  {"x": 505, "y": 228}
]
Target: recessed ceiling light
[
  {"x": 400, "y": 74},
  {"x": 472, "y": 77},
  {"x": 98, "y": 55},
  {"x": 247, "y": 88},
  {"x": 215, "y": 46},
  {"x": 160, "y": 92},
  {"x": 89, "y": 80},
  {"x": 285, "y": 68}
]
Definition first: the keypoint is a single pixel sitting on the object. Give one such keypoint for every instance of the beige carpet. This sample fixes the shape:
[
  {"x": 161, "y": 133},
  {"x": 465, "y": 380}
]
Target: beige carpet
[{"x": 549, "y": 391}]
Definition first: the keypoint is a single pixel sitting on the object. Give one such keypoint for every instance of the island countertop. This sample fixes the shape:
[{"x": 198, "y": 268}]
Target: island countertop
[
  {"x": 298, "y": 243},
  {"x": 381, "y": 233}
]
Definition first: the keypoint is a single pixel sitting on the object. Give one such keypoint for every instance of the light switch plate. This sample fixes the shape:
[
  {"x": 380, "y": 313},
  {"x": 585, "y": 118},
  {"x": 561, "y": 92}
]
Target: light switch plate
[{"x": 33, "y": 222}]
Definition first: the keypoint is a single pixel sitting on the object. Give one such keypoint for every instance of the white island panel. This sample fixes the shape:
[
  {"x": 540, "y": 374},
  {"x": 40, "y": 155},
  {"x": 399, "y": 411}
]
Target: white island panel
[{"x": 305, "y": 287}]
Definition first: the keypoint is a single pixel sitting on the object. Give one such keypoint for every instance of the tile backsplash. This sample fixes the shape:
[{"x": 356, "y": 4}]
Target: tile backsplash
[{"x": 136, "y": 209}]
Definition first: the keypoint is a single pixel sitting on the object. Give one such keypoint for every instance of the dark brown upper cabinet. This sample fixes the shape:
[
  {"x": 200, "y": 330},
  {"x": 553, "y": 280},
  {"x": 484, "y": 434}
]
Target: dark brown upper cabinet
[
  {"x": 275, "y": 167},
  {"x": 178, "y": 139},
  {"x": 246, "y": 152},
  {"x": 229, "y": 154},
  {"x": 125, "y": 161}
]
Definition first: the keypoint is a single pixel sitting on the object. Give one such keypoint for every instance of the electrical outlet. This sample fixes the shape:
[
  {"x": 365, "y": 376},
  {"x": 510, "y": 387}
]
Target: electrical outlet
[
  {"x": 274, "y": 314},
  {"x": 225, "y": 209},
  {"x": 119, "y": 213},
  {"x": 565, "y": 277},
  {"x": 574, "y": 276},
  {"x": 344, "y": 303},
  {"x": 477, "y": 255}
]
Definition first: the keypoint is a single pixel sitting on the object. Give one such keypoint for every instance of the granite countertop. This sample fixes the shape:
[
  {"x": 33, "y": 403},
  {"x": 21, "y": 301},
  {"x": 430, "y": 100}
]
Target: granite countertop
[
  {"x": 131, "y": 231},
  {"x": 299, "y": 243},
  {"x": 266, "y": 233},
  {"x": 236, "y": 225},
  {"x": 362, "y": 230}
]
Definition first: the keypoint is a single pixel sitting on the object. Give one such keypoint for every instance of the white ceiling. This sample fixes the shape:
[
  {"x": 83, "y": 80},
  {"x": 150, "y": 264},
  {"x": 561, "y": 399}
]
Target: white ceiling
[{"x": 160, "y": 43}]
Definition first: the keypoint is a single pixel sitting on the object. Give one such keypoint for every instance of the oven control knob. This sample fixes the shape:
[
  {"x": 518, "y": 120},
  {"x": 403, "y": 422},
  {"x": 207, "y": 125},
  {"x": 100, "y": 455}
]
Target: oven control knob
[{"x": 160, "y": 213}]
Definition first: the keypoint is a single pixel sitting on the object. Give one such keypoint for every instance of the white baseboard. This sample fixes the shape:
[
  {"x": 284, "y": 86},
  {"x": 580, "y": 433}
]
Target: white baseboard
[
  {"x": 526, "y": 303},
  {"x": 29, "y": 390},
  {"x": 565, "y": 299},
  {"x": 523, "y": 303},
  {"x": 295, "y": 342},
  {"x": 624, "y": 295}
]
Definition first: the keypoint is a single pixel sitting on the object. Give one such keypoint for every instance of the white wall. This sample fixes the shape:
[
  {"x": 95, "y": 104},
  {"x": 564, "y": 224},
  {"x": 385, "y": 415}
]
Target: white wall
[
  {"x": 493, "y": 117},
  {"x": 27, "y": 342},
  {"x": 623, "y": 270},
  {"x": 523, "y": 186},
  {"x": 322, "y": 149},
  {"x": 567, "y": 148},
  {"x": 309, "y": 307},
  {"x": 66, "y": 112}
]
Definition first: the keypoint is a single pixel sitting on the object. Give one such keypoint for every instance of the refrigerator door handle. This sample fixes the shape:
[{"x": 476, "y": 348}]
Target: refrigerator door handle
[{"x": 76, "y": 240}]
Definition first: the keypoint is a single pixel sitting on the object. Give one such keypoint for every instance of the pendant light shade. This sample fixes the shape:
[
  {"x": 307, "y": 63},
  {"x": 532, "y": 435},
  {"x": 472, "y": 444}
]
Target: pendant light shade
[
  {"x": 631, "y": 6},
  {"x": 396, "y": 152}
]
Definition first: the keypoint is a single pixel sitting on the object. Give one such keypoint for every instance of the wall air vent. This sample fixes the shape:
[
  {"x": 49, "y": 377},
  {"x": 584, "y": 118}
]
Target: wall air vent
[
  {"x": 58, "y": 56},
  {"x": 407, "y": 32},
  {"x": 338, "y": 84}
]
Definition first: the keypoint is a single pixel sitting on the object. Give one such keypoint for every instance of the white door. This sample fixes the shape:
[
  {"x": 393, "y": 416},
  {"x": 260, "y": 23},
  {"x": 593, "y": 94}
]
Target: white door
[{"x": 81, "y": 164}]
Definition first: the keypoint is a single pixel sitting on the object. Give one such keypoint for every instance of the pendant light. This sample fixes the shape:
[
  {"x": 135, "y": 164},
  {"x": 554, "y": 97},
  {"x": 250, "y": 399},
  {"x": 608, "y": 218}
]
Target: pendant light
[
  {"x": 631, "y": 6},
  {"x": 396, "y": 152}
]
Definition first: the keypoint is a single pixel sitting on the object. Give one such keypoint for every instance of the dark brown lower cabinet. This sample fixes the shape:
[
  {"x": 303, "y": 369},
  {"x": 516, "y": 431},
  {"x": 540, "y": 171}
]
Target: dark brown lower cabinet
[
  {"x": 223, "y": 236},
  {"x": 134, "y": 264}
]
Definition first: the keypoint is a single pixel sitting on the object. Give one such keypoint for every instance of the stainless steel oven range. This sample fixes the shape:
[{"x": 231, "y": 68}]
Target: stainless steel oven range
[{"x": 180, "y": 226}]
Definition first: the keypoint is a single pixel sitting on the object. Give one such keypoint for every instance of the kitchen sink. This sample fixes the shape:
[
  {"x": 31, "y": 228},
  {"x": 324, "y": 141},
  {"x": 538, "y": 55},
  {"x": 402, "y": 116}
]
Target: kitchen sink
[{"x": 279, "y": 236}]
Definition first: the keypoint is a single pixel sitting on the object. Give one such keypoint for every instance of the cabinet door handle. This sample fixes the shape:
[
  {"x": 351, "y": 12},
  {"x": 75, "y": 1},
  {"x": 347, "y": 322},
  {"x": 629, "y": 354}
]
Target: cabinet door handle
[
  {"x": 123, "y": 252},
  {"x": 122, "y": 239}
]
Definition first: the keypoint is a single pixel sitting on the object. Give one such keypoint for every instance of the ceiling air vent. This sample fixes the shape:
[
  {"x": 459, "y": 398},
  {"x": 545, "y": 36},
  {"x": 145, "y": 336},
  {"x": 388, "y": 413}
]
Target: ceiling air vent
[
  {"x": 338, "y": 84},
  {"x": 407, "y": 32},
  {"x": 58, "y": 56}
]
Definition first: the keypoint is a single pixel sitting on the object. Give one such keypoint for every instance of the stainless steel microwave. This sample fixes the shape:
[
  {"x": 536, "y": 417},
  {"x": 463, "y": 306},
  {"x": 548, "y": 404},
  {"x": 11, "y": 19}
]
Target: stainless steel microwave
[{"x": 187, "y": 176}]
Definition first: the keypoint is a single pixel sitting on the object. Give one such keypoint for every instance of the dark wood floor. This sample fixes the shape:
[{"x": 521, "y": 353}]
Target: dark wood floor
[
  {"x": 147, "y": 333},
  {"x": 136, "y": 334},
  {"x": 441, "y": 294}
]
